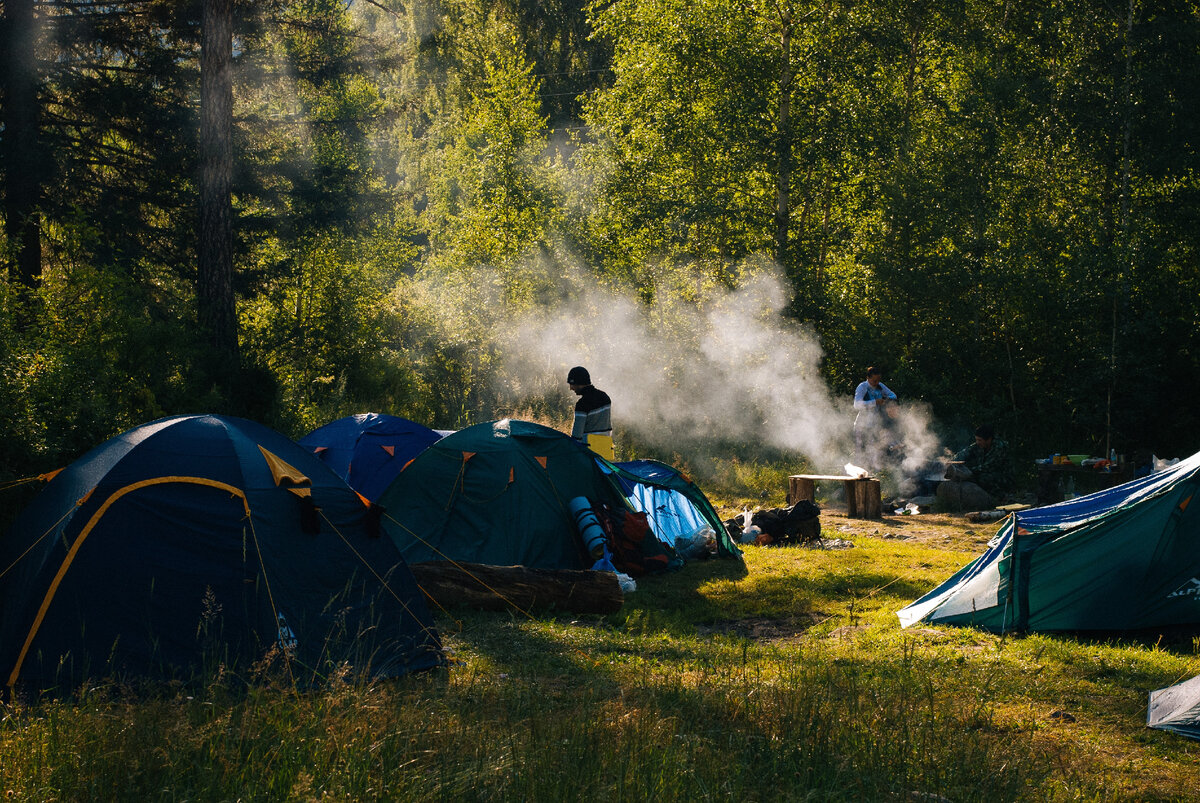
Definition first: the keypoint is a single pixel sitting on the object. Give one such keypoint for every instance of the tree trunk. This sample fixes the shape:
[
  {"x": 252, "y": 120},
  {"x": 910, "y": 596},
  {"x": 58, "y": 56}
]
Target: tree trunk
[
  {"x": 783, "y": 147},
  {"x": 507, "y": 587},
  {"x": 22, "y": 163},
  {"x": 216, "y": 310}
]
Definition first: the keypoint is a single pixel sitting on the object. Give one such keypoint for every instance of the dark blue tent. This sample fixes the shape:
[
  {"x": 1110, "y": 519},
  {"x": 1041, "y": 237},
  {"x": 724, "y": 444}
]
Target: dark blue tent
[
  {"x": 368, "y": 450},
  {"x": 203, "y": 539}
]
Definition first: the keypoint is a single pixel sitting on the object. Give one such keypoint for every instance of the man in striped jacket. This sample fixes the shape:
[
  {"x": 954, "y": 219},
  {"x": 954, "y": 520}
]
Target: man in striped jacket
[{"x": 593, "y": 413}]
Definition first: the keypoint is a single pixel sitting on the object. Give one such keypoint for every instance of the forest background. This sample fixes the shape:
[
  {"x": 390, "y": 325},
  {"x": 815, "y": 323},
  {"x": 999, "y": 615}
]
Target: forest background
[{"x": 299, "y": 209}]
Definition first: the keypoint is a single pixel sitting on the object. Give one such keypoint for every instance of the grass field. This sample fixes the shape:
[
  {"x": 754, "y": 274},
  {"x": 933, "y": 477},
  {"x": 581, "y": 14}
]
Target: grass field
[{"x": 786, "y": 679}]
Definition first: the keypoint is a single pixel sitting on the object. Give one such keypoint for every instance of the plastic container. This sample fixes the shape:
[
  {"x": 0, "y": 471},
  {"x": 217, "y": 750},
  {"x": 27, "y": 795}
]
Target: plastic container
[{"x": 694, "y": 545}]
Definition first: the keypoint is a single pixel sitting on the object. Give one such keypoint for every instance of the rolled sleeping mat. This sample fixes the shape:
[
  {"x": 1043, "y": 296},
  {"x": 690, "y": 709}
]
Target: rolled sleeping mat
[{"x": 588, "y": 526}]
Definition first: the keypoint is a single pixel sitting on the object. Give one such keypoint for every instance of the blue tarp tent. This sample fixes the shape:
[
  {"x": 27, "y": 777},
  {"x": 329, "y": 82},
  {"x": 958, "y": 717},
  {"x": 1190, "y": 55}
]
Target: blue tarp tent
[
  {"x": 674, "y": 505},
  {"x": 368, "y": 450},
  {"x": 1125, "y": 558},
  {"x": 202, "y": 539}
]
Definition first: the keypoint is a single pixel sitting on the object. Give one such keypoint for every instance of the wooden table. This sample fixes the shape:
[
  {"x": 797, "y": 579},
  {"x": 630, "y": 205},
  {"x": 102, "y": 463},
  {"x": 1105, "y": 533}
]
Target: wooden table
[
  {"x": 862, "y": 493},
  {"x": 1095, "y": 479}
]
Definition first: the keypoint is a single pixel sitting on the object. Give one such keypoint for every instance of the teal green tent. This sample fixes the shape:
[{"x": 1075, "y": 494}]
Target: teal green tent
[
  {"x": 498, "y": 493},
  {"x": 1126, "y": 558}
]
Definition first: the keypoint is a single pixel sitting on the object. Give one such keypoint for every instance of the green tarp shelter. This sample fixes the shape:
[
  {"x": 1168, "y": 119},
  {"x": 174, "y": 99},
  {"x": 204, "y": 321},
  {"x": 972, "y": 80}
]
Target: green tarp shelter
[
  {"x": 497, "y": 493},
  {"x": 1126, "y": 558}
]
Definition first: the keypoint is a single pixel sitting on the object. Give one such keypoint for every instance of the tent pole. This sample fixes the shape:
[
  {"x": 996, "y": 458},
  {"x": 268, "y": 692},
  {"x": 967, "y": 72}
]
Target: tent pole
[{"x": 1009, "y": 601}]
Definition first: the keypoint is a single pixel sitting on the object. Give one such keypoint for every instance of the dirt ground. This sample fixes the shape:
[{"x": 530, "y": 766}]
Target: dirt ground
[{"x": 945, "y": 530}]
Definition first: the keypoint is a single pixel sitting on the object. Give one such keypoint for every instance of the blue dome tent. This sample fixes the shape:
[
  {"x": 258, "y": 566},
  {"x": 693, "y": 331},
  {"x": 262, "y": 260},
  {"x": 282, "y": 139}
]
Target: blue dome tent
[
  {"x": 675, "y": 506},
  {"x": 368, "y": 450},
  {"x": 198, "y": 539}
]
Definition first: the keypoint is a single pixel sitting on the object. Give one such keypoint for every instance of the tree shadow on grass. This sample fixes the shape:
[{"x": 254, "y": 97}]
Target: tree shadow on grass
[{"x": 673, "y": 702}]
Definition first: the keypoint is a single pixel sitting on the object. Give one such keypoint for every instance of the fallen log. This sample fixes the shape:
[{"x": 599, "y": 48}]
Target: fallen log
[{"x": 494, "y": 588}]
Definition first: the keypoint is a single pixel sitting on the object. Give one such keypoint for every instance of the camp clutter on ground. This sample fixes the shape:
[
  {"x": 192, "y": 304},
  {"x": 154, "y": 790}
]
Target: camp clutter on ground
[{"x": 205, "y": 541}]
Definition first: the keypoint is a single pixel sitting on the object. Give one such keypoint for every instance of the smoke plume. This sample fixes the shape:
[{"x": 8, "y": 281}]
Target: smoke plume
[{"x": 731, "y": 367}]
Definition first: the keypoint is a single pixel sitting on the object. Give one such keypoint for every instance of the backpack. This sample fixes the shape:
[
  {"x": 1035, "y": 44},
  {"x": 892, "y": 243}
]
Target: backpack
[
  {"x": 636, "y": 551},
  {"x": 800, "y": 524}
]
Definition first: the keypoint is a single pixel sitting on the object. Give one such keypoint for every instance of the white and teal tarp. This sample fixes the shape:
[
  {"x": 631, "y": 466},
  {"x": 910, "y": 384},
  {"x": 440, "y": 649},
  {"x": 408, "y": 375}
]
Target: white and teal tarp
[
  {"x": 1176, "y": 708},
  {"x": 1125, "y": 558}
]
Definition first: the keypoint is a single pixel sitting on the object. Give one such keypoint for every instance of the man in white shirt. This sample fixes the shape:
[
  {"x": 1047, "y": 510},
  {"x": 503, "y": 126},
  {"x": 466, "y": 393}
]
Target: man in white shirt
[{"x": 871, "y": 400}]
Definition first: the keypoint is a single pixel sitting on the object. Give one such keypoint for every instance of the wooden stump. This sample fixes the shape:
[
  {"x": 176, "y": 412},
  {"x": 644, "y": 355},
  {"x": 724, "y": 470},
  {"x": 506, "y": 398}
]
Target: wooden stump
[
  {"x": 505, "y": 587},
  {"x": 801, "y": 489},
  {"x": 863, "y": 499}
]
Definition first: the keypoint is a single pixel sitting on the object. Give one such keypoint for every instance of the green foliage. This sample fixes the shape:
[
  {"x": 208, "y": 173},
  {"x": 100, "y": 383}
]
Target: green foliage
[
  {"x": 680, "y": 167},
  {"x": 117, "y": 137},
  {"x": 309, "y": 109},
  {"x": 441, "y": 327},
  {"x": 996, "y": 203},
  {"x": 103, "y": 354},
  {"x": 322, "y": 326},
  {"x": 490, "y": 199}
]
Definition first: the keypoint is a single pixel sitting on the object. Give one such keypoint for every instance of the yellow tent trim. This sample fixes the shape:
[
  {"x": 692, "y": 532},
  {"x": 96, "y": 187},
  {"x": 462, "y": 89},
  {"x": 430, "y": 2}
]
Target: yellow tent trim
[
  {"x": 85, "y": 532},
  {"x": 282, "y": 471}
]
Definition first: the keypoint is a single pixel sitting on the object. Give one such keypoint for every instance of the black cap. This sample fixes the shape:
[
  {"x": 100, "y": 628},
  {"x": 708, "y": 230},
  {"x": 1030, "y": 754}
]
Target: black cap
[
  {"x": 985, "y": 431},
  {"x": 578, "y": 376}
]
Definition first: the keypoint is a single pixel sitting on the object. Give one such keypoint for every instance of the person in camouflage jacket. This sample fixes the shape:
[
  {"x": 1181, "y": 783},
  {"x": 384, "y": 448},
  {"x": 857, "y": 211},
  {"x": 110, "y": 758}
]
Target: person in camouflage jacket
[{"x": 989, "y": 462}]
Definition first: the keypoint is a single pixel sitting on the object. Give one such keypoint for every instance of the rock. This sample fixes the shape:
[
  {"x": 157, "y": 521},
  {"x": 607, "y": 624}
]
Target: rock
[{"x": 963, "y": 496}]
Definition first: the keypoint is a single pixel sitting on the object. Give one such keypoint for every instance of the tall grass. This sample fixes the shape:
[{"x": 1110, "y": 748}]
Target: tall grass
[
  {"x": 786, "y": 680},
  {"x": 600, "y": 714}
]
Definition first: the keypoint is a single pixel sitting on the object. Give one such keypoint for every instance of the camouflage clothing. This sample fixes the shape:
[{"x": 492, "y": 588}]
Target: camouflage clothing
[{"x": 991, "y": 469}]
